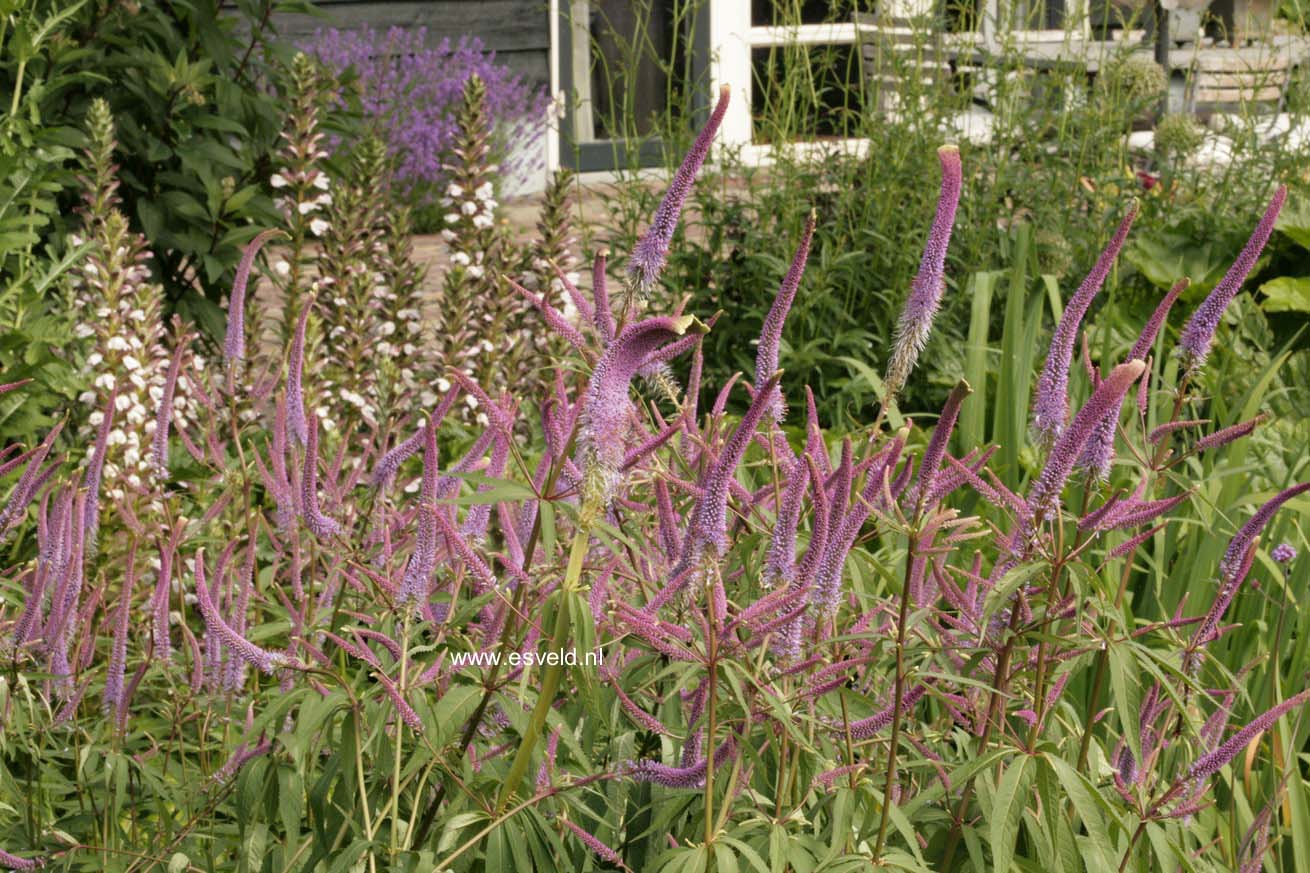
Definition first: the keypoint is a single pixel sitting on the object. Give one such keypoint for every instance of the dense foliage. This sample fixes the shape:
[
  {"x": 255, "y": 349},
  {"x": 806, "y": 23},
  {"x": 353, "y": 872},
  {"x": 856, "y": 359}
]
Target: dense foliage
[{"x": 774, "y": 647}]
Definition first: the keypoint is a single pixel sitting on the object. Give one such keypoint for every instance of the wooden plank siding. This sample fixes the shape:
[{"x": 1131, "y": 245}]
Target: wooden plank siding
[{"x": 518, "y": 31}]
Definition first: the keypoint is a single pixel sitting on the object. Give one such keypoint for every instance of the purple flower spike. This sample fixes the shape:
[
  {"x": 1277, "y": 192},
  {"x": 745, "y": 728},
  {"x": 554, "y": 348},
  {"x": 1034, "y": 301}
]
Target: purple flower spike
[
  {"x": 1044, "y": 497},
  {"x": 320, "y": 524},
  {"x": 1146, "y": 338},
  {"x": 418, "y": 572},
  {"x": 766, "y": 357},
  {"x": 22, "y": 493},
  {"x": 247, "y": 651},
  {"x": 95, "y": 472},
  {"x": 928, "y": 286},
  {"x": 602, "y": 314},
  {"x": 1194, "y": 343},
  {"x": 391, "y": 461},
  {"x": 295, "y": 374},
  {"x": 599, "y": 849},
  {"x": 1210, "y": 764},
  {"x": 1051, "y": 404},
  {"x": 1249, "y": 531},
  {"x": 651, "y": 251},
  {"x": 941, "y": 435},
  {"x": 869, "y": 727},
  {"x": 13, "y": 862},
  {"x": 164, "y": 414},
  {"x": 709, "y": 526},
  {"x": 780, "y": 563},
  {"x": 606, "y": 408},
  {"x": 113, "y": 695},
  {"x": 1283, "y": 553},
  {"x": 234, "y": 345}
]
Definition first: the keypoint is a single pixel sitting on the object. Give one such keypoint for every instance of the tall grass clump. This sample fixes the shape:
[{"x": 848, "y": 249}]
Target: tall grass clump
[{"x": 623, "y": 629}]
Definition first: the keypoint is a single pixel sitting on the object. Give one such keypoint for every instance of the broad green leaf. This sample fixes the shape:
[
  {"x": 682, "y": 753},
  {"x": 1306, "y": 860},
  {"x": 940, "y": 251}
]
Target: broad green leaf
[{"x": 1007, "y": 810}]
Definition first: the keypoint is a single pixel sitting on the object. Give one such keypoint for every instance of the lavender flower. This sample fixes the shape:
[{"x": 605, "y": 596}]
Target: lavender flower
[
  {"x": 241, "y": 647},
  {"x": 295, "y": 373},
  {"x": 1051, "y": 405},
  {"x": 321, "y": 525},
  {"x": 766, "y": 357},
  {"x": 1198, "y": 334},
  {"x": 708, "y": 528},
  {"x": 22, "y": 493},
  {"x": 602, "y": 851},
  {"x": 652, "y": 250},
  {"x": 928, "y": 286},
  {"x": 1283, "y": 553},
  {"x": 95, "y": 471},
  {"x": 1208, "y": 765},
  {"x": 867, "y": 728},
  {"x": 1229, "y": 434},
  {"x": 234, "y": 344},
  {"x": 1246, "y": 535},
  {"x": 113, "y": 696},
  {"x": 13, "y": 862},
  {"x": 1044, "y": 497},
  {"x": 941, "y": 435},
  {"x": 607, "y": 407},
  {"x": 1151, "y": 330}
]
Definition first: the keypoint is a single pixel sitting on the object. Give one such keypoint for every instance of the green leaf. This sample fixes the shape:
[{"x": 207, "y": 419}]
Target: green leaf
[
  {"x": 1007, "y": 811},
  {"x": 1091, "y": 808},
  {"x": 1286, "y": 294}
]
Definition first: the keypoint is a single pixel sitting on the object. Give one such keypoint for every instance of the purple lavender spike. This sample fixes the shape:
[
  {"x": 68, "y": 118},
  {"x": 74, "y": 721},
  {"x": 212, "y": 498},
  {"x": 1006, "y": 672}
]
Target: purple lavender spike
[
  {"x": 1051, "y": 403},
  {"x": 670, "y": 540},
  {"x": 1208, "y": 765},
  {"x": 163, "y": 647},
  {"x": 1044, "y": 497},
  {"x": 548, "y": 761},
  {"x": 604, "y": 416},
  {"x": 406, "y": 712},
  {"x": 709, "y": 526},
  {"x": 928, "y": 286},
  {"x": 599, "y": 849},
  {"x": 780, "y": 562},
  {"x": 241, "y": 647},
  {"x": 1246, "y": 535},
  {"x": 113, "y": 695},
  {"x": 479, "y": 514},
  {"x": 295, "y": 394},
  {"x": 869, "y": 727},
  {"x": 766, "y": 356},
  {"x": 602, "y": 314},
  {"x": 1228, "y": 434},
  {"x": 554, "y": 319},
  {"x": 651, "y": 251},
  {"x": 1198, "y": 334},
  {"x": 1151, "y": 330},
  {"x": 164, "y": 414},
  {"x": 391, "y": 461},
  {"x": 234, "y": 344},
  {"x": 418, "y": 571},
  {"x": 315, "y": 520},
  {"x": 941, "y": 435},
  {"x": 13, "y": 862},
  {"x": 1127, "y": 547},
  {"x": 27, "y": 483}
]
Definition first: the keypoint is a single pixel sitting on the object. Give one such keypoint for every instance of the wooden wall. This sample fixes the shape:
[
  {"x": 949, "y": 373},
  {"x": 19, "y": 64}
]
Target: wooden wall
[{"x": 516, "y": 30}]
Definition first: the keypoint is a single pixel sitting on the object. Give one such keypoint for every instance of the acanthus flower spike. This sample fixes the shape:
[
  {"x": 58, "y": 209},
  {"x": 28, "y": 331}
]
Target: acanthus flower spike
[
  {"x": 766, "y": 355},
  {"x": 1051, "y": 402},
  {"x": 652, "y": 250},
  {"x": 1198, "y": 334},
  {"x": 915, "y": 323}
]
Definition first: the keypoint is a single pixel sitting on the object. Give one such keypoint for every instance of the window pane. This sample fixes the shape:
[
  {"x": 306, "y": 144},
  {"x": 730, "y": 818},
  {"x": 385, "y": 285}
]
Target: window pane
[
  {"x": 769, "y": 12},
  {"x": 805, "y": 92}
]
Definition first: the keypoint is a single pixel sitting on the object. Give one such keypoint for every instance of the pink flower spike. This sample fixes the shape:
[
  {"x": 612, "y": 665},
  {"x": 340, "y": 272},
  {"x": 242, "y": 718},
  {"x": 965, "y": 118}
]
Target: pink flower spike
[
  {"x": 554, "y": 319},
  {"x": 234, "y": 344},
  {"x": 941, "y": 435},
  {"x": 1051, "y": 404},
  {"x": 263, "y": 660},
  {"x": 1151, "y": 330},
  {"x": 315, "y": 520},
  {"x": 13, "y": 862},
  {"x": 599, "y": 849},
  {"x": 928, "y": 286},
  {"x": 766, "y": 356},
  {"x": 1229, "y": 434},
  {"x": 164, "y": 415},
  {"x": 295, "y": 395},
  {"x": 1210, "y": 764},
  {"x": 652, "y": 250},
  {"x": 1198, "y": 334}
]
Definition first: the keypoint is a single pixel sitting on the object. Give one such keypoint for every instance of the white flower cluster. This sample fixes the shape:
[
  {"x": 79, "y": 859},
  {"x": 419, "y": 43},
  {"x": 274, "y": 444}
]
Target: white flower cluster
[
  {"x": 477, "y": 207},
  {"x": 307, "y": 192}
]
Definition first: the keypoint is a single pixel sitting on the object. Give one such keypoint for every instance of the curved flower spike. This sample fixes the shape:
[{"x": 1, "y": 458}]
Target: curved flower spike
[
  {"x": 234, "y": 344},
  {"x": 606, "y": 405},
  {"x": 389, "y": 465},
  {"x": 418, "y": 571},
  {"x": 1151, "y": 330},
  {"x": 652, "y": 250},
  {"x": 295, "y": 374},
  {"x": 766, "y": 356},
  {"x": 1198, "y": 334},
  {"x": 928, "y": 286},
  {"x": 260, "y": 659},
  {"x": 1210, "y": 764},
  {"x": 1044, "y": 497},
  {"x": 164, "y": 414},
  {"x": 1051, "y": 404},
  {"x": 602, "y": 315},
  {"x": 936, "y": 450},
  {"x": 780, "y": 564},
  {"x": 315, "y": 520}
]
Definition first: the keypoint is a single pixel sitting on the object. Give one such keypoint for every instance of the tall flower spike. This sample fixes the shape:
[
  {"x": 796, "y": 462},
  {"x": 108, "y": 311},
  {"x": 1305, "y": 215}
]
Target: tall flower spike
[
  {"x": 95, "y": 472},
  {"x": 602, "y": 315},
  {"x": 1051, "y": 403},
  {"x": 295, "y": 375},
  {"x": 1210, "y": 764},
  {"x": 234, "y": 344},
  {"x": 1153, "y": 325},
  {"x": 780, "y": 563},
  {"x": 320, "y": 524},
  {"x": 241, "y": 647},
  {"x": 22, "y": 493},
  {"x": 766, "y": 356},
  {"x": 164, "y": 414},
  {"x": 391, "y": 461},
  {"x": 928, "y": 286},
  {"x": 1198, "y": 334},
  {"x": 709, "y": 527},
  {"x": 1243, "y": 538},
  {"x": 605, "y": 413},
  {"x": 652, "y": 250},
  {"x": 418, "y": 572},
  {"x": 13, "y": 862},
  {"x": 941, "y": 435},
  {"x": 1044, "y": 497}
]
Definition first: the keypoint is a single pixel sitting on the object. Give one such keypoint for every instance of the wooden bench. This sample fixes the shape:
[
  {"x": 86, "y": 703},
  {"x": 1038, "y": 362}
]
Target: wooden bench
[{"x": 1236, "y": 80}]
